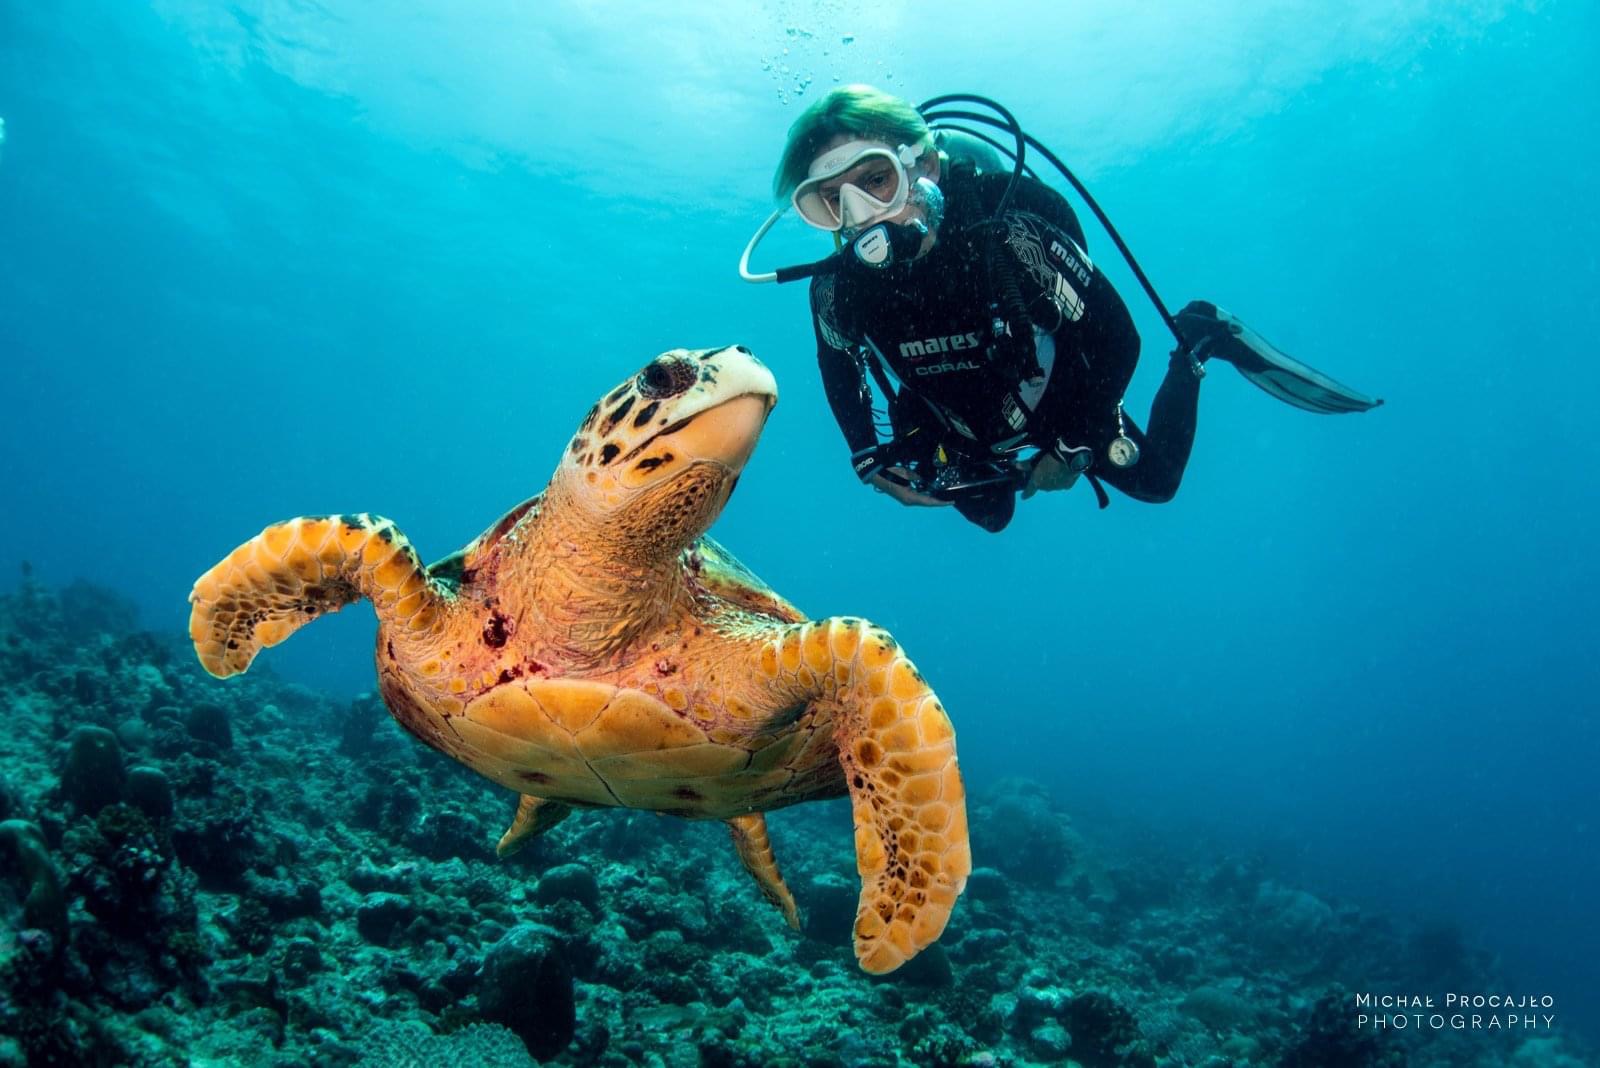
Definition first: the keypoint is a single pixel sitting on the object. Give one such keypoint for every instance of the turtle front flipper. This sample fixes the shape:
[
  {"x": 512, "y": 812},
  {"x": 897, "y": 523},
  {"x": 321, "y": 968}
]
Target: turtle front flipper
[
  {"x": 755, "y": 850},
  {"x": 293, "y": 572},
  {"x": 897, "y": 750}
]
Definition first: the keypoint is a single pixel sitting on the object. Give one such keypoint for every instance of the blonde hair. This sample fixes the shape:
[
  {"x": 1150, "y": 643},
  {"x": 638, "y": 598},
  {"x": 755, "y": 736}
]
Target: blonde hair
[{"x": 854, "y": 110}]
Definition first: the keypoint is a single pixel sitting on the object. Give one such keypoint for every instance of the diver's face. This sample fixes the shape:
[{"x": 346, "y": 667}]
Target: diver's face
[
  {"x": 880, "y": 179},
  {"x": 875, "y": 176}
]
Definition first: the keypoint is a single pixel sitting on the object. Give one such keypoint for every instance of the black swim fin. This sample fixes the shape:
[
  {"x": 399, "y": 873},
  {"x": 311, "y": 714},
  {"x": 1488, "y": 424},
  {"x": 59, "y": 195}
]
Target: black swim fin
[{"x": 1213, "y": 333}]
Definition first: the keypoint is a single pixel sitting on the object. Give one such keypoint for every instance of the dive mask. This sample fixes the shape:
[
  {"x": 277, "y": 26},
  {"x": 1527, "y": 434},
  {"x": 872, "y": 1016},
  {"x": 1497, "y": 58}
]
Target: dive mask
[
  {"x": 856, "y": 184},
  {"x": 852, "y": 191}
]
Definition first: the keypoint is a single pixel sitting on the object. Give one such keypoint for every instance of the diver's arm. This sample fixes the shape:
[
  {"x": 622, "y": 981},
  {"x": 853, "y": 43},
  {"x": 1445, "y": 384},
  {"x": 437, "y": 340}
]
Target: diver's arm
[
  {"x": 845, "y": 382},
  {"x": 1035, "y": 198},
  {"x": 1051, "y": 206},
  {"x": 849, "y": 396},
  {"x": 844, "y": 379},
  {"x": 1096, "y": 352},
  {"x": 1096, "y": 344}
]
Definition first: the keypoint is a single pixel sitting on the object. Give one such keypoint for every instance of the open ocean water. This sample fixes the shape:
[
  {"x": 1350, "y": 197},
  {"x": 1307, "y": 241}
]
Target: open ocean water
[{"x": 277, "y": 257}]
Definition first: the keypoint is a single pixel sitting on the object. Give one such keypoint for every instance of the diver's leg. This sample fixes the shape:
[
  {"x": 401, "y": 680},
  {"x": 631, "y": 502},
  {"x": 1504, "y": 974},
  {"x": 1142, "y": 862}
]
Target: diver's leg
[
  {"x": 1212, "y": 333},
  {"x": 755, "y": 852}
]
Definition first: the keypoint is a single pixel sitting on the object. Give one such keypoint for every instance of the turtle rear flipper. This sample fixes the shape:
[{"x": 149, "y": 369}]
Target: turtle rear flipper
[
  {"x": 755, "y": 852},
  {"x": 293, "y": 572},
  {"x": 535, "y": 815}
]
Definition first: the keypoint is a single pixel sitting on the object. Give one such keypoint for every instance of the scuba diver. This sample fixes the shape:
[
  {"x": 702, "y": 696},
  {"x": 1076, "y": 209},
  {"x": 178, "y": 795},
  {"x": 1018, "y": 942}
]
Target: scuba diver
[{"x": 963, "y": 289}]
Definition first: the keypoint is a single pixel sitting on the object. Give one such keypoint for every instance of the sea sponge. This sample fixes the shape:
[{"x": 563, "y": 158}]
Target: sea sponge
[
  {"x": 1220, "y": 1009},
  {"x": 526, "y": 985},
  {"x": 44, "y": 905},
  {"x": 150, "y": 791},
  {"x": 1104, "y": 1033},
  {"x": 1027, "y": 838},
  {"x": 92, "y": 774},
  {"x": 209, "y": 723}
]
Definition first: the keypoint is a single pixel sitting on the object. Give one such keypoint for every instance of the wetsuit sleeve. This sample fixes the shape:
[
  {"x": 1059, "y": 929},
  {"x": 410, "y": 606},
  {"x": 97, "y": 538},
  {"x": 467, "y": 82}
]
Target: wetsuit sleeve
[
  {"x": 1096, "y": 350},
  {"x": 1096, "y": 346},
  {"x": 1035, "y": 198},
  {"x": 843, "y": 378},
  {"x": 1039, "y": 199}
]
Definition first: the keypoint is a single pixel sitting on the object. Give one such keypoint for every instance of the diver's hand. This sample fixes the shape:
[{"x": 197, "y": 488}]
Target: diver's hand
[
  {"x": 903, "y": 494},
  {"x": 1049, "y": 473}
]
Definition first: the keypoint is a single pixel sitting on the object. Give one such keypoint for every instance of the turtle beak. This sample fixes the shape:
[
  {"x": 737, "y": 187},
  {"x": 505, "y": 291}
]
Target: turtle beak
[{"x": 727, "y": 433}]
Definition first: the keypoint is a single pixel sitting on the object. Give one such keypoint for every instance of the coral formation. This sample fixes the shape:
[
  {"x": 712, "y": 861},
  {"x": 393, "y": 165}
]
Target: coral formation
[
  {"x": 526, "y": 985},
  {"x": 92, "y": 773},
  {"x": 252, "y": 874},
  {"x": 44, "y": 907}
]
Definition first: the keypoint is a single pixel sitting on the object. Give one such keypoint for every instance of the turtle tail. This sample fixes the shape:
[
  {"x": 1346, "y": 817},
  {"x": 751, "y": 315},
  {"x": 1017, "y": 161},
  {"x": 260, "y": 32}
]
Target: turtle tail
[{"x": 293, "y": 572}]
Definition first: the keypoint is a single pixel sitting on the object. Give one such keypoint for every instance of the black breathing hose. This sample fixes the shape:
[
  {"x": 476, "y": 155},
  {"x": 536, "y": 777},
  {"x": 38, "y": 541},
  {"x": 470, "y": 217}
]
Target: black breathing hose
[
  {"x": 1024, "y": 353},
  {"x": 981, "y": 136},
  {"x": 1009, "y": 123}
]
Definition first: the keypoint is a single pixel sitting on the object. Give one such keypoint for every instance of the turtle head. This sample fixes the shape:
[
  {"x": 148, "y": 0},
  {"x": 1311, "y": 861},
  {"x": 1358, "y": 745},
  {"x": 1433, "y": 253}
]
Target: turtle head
[{"x": 657, "y": 457}]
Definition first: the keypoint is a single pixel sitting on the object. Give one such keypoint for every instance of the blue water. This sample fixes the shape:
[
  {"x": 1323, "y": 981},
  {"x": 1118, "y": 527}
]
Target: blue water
[{"x": 266, "y": 259}]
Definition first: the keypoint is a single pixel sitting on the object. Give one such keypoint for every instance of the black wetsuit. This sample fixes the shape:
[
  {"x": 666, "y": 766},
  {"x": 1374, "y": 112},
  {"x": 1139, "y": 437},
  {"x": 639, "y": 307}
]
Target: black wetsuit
[{"x": 965, "y": 387}]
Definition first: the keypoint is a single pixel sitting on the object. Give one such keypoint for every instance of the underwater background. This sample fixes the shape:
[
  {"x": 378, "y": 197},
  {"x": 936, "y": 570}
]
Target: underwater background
[{"x": 265, "y": 259}]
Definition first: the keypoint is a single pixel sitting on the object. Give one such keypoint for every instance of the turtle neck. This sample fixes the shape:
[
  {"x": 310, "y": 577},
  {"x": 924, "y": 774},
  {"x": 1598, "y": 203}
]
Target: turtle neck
[{"x": 587, "y": 593}]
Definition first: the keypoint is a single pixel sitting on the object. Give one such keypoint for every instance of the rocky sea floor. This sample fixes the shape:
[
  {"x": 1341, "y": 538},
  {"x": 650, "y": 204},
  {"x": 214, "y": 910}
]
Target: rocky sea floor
[{"x": 248, "y": 873}]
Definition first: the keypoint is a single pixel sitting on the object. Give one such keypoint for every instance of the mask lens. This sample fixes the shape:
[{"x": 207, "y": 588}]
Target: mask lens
[
  {"x": 875, "y": 178},
  {"x": 849, "y": 191},
  {"x": 815, "y": 209}
]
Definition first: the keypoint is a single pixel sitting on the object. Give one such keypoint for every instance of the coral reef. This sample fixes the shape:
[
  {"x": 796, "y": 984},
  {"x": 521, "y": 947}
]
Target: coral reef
[
  {"x": 198, "y": 873},
  {"x": 44, "y": 906}
]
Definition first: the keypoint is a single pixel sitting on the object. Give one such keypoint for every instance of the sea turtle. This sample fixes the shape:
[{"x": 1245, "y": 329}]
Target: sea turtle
[{"x": 595, "y": 648}]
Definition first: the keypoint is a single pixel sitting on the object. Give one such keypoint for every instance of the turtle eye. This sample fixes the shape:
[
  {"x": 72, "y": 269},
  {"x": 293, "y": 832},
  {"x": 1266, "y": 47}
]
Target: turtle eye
[{"x": 667, "y": 377}]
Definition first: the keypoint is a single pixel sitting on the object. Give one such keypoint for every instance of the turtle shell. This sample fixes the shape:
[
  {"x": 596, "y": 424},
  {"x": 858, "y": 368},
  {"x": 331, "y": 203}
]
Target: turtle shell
[{"x": 717, "y": 571}]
